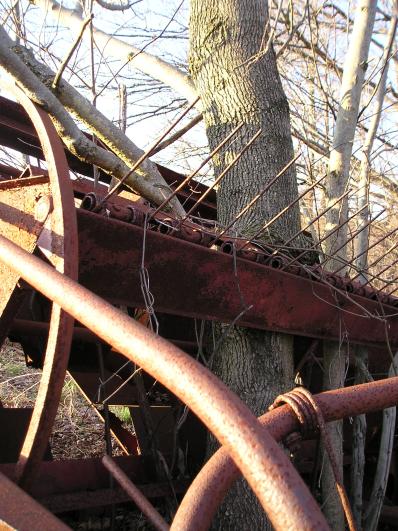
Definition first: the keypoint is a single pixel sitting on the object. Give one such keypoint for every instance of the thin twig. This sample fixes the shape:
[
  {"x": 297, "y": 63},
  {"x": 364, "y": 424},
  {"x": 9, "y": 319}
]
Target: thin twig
[{"x": 65, "y": 62}]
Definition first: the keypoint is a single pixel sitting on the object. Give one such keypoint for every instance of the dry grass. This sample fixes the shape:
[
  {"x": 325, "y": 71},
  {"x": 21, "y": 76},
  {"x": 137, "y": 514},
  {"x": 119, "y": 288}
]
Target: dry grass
[{"x": 78, "y": 432}]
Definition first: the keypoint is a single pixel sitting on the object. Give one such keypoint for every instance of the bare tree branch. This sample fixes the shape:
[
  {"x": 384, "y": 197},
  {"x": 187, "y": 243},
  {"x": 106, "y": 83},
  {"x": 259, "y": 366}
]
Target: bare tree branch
[
  {"x": 71, "y": 52},
  {"x": 110, "y": 6},
  {"x": 148, "y": 182},
  {"x": 143, "y": 61}
]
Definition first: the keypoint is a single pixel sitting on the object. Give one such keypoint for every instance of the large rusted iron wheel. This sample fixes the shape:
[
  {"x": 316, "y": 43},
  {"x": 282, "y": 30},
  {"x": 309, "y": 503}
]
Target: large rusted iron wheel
[
  {"x": 258, "y": 456},
  {"x": 58, "y": 241},
  {"x": 264, "y": 465},
  {"x": 260, "y": 459}
]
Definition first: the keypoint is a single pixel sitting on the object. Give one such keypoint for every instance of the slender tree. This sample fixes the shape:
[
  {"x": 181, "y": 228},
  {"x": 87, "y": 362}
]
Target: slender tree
[{"x": 338, "y": 177}]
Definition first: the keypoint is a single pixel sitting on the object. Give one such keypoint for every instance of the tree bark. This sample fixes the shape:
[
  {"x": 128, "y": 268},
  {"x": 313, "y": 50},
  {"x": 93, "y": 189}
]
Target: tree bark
[
  {"x": 362, "y": 241},
  {"x": 359, "y": 427},
  {"x": 256, "y": 365},
  {"x": 334, "y": 357}
]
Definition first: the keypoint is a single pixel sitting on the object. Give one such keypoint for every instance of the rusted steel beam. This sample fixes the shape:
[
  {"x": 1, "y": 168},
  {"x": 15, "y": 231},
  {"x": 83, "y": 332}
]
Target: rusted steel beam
[
  {"x": 76, "y": 501},
  {"x": 19, "y": 511},
  {"x": 75, "y": 484},
  {"x": 194, "y": 281},
  {"x": 15, "y": 422},
  {"x": 263, "y": 463},
  {"x": 40, "y": 329},
  {"x": 211, "y": 484}
]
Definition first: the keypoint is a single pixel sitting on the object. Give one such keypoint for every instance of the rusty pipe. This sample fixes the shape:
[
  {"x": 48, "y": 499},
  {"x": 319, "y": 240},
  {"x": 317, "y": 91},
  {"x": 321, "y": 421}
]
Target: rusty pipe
[{"x": 209, "y": 487}]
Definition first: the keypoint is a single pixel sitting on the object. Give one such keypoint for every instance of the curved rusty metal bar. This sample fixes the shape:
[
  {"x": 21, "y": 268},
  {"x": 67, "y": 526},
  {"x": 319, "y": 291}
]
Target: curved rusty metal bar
[
  {"x": 60, "y": 241},
  {"x": 19, "y": 510},
  {"x": 282, "y": 493},
  {"x": 208, "y": 489}
]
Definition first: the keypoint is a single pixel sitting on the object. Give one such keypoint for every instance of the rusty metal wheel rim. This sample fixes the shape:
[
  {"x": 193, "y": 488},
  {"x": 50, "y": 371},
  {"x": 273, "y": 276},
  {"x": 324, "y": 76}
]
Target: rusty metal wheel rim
[
  {"x": 62, "y": 231},
  {"x": 263, "y": 463}
]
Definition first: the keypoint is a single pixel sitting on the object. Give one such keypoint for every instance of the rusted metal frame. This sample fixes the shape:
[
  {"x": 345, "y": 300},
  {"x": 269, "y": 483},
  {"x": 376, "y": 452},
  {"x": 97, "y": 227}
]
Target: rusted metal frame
[
  {"x": 148, "y": 152},
  {"x": 75, "y": 484},
  {"x": 24, "y": 181},
  {"x": 149, "y": 441},
  {"x": 19, "y": 511},
  {"x": 23, "y": 212},
  {"x": 370, "y": 246},
  {"x": 101, "y": 498},
  {"x": 126, "y": 441},
  {"x": 101, "y": 401},
  {"x": 258, "y": 456},
  {"x": 57, "y": 478},
  {"x": 310, "y": 402},
  {"x": 136, "y": 495},
  {"x": 197, "y": 234},
  {"x": 208, "y": 489},
  {"x": 105, "y": 413},
  {"x": 62, "y": 245},
  {"x": 222, "y": 174},
  {"x": 257, "y": 197},
  {"x": 195, "y": 172},
  {"x": 281, "y": 301},
  {"x": 8, "y": 172},
  {"x": 84, "y": 185},
  {"x": 297, "y": 258},
  {"x": 311, "y": 420},
  {"x": 283, "y": 211},
  {"x": 14, "y": 304}
]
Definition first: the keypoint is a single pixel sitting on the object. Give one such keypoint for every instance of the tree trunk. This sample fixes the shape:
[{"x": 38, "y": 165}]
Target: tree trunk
[
  {"x": 361, "y": 247},
  {"x": 223, "y": 36},
  {"x": 334, "y": 358},
  {"x": 346, "y": 122},
  {"x": 337, "y": 181}
]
